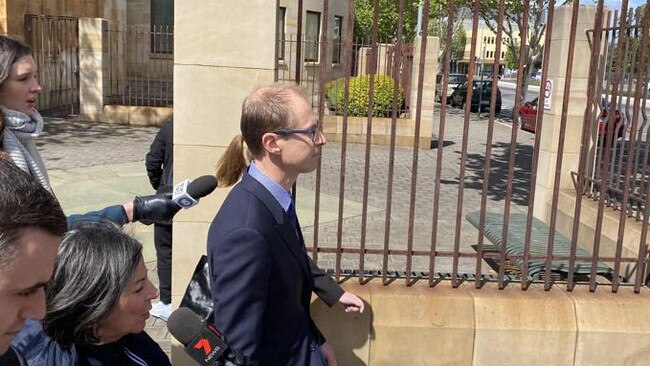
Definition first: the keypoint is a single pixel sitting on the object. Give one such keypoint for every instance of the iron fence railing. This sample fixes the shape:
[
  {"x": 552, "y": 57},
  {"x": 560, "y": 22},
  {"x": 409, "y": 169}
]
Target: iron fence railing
[
  {"x": 55, "y": 47},
  {"x": 616, "y": 108},
  {"x": 380, "y": 211},
  {"x": 362, "y": 64},
  {"x": 140, "y": 71}
]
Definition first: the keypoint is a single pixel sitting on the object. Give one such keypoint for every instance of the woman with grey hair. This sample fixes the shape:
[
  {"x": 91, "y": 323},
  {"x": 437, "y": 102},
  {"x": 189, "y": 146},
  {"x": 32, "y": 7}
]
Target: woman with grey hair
[{"x": 97, "y": 304}]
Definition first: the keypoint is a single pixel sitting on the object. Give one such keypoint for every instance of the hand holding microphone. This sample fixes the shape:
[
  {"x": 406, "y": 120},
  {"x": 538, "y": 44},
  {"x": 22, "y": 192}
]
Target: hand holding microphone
[
  {"x": 161, "y": 208},
  {"x": 203, "y": 342}
]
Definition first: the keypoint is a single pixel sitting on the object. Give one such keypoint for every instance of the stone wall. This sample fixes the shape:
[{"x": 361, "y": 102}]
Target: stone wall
[
  {"x": 420, "y": 325},
  {"x": 12, "y": 12}
]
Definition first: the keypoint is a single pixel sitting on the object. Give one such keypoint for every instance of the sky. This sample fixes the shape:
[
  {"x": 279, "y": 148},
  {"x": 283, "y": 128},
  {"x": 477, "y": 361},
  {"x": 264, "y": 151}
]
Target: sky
[{"x": 616, "y": 4}]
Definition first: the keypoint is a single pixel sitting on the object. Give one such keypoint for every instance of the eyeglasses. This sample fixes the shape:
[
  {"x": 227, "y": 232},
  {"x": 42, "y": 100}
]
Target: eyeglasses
[{"x": 311, "y": 132}]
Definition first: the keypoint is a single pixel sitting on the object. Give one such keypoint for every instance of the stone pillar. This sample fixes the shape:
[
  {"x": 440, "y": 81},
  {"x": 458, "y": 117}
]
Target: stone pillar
[
  {"x": 428, "y": 87},
  {"x": 550, "y": 132},
  {"x": 216, "y": 65},
  {"x": 93, "y": 67},
  {"x": 4, "y": 24},
  {"x": 12, "y": 16}
]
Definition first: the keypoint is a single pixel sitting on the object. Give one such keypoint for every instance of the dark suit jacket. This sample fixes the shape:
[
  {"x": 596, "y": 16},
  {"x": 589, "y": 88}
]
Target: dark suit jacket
[
  {"x": 160, "y": 158},
  {"x": 262, "y": 279}
]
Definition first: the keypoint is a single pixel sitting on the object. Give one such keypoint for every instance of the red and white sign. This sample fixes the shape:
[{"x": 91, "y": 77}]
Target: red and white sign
[{"x": 548, "y": 91}]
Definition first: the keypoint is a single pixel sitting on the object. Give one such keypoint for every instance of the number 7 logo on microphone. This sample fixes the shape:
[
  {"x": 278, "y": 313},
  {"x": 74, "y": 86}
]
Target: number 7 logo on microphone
[{"x": 205, "y": 344}]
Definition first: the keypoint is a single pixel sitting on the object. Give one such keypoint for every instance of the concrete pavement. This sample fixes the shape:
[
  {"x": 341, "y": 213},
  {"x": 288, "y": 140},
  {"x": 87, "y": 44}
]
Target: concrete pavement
[
  {"x": 92, "y": 166},
  {"x": 95, "y": 165}
]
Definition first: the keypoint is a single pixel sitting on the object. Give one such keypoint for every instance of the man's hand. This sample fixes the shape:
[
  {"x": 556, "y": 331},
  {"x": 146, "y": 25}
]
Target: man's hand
[
  {"x": 351, "y": 302},
  {"x": 328, "y": 353}
]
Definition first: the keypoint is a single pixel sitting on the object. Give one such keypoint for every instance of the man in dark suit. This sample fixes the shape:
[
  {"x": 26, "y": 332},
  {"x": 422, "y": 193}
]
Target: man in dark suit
[
  {"x": 261, "y": 276},
  {"x": 159, "y": 164}
]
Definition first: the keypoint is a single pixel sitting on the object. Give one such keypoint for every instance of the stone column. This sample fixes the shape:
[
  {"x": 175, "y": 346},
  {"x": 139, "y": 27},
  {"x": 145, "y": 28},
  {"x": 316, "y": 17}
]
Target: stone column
[
  {"x": 12, "y": 16},
  {"x": 221, "y": 52},
  {"x": 93, "y": 67},
  {"x": 550, "y": 132},
  {"x": 428, "y": 88}
]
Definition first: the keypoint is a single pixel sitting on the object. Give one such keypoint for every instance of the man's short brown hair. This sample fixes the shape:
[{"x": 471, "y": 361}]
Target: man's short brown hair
[{"x": 24, "y": 204}]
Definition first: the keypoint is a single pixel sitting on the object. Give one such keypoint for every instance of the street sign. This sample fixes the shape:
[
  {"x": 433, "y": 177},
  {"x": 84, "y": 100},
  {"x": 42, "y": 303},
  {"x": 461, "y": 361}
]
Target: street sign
[{"x": 548, "y": 90}]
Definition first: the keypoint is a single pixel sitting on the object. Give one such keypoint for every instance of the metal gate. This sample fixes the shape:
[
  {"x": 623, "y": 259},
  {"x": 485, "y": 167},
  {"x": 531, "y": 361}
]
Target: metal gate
[
  {"x": 55, "y": 46},
  {"x": 388, "y": 212}
]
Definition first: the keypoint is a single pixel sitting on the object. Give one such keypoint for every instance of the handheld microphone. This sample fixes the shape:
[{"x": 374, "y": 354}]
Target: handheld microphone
[
  {"x": 187, "y": 194},
  {"x": 203, "y": 342}
]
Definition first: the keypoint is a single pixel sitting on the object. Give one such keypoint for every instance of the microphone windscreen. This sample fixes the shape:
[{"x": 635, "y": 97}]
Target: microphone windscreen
[
  {"x": 202, "y": 186},
  {"x": 184, "y": 325}
]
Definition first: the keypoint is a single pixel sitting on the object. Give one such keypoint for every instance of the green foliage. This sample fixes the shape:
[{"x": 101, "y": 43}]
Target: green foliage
[
  {"x": 511, "y": 59},
  {"x": 388, "y": 19},
  {"x": 458, "y": 42},
  {"x": 359, "y": 95},
  {"x": 332, "y": 91}
]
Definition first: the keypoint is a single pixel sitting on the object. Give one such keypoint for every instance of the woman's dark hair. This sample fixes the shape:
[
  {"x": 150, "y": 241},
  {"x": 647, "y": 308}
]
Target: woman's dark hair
[
  {"x": 24, "y": 204},
  {"x": 94, "y": 264},
  {"x": 266, "y": 109}
]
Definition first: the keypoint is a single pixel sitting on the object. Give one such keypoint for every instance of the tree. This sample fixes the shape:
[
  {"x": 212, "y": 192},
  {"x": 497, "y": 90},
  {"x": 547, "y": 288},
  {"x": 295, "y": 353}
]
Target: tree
[
  {"x": 513, "y": 26},
  {"x": 438, "y": 20},
  {"x": 512, "y": 58},
  {"x": 458, "y": 42},
  {"x": 388, "y": 20}
]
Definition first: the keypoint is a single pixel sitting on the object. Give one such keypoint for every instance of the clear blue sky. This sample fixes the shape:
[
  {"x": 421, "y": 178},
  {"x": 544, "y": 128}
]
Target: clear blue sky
[{"x": 616, "y": 4}]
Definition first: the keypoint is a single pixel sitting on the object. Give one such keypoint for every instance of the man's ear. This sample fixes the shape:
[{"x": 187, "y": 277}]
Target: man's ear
[{"x": 270, "y": 143}]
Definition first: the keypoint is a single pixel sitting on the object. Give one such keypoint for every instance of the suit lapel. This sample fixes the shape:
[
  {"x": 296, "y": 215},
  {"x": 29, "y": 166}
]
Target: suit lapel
[{"x": 282, "y": 223}]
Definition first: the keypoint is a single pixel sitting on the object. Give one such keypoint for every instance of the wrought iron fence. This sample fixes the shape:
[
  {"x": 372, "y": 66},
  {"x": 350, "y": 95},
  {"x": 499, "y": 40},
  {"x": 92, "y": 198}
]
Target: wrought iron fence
[
  {"x": 384, "y": 64},
  {"x": 409, "y": 215},
  {"x": 613, "y": 149},
  {"x": 55, "y": 46},
  {"x": 140, "y": 65}
]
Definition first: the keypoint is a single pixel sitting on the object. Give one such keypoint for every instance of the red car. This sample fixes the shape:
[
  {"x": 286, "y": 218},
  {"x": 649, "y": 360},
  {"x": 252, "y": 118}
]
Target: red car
[{"x": 528, "y": 117}]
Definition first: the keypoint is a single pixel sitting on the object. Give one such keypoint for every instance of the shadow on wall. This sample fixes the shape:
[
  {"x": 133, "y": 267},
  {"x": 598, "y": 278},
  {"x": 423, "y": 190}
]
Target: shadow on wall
[{"x": 345, "y": 332}]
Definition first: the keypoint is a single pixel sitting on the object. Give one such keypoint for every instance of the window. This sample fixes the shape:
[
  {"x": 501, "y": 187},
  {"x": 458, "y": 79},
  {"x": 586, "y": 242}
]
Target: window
[
  {"x": 336, "y": 42},
  {"x": 162, "y": 26},
  {"x": 312, "y": 36},
  {"x": 280, "y": 32}
]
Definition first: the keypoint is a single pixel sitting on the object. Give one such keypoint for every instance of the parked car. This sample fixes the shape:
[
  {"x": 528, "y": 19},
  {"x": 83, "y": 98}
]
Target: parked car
[
  {"x": 528, "y": 118},
  {"x": 537, "y": 75},
  {"x": 481, "y": 95},
  {"x": 454, "y": 80}
]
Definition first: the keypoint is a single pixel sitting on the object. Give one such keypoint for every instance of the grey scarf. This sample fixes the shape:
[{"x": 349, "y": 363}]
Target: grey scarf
[{"x": 18, "y": 141}]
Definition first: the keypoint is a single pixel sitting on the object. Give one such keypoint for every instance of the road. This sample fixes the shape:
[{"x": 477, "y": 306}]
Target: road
[
  {"x": 508, "y": 95},
  {"x": 508, "y": 98}
]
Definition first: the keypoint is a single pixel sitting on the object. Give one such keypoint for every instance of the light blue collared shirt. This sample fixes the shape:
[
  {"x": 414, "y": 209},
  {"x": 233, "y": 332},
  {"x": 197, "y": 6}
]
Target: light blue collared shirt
[{"x": 280, "y": 194}]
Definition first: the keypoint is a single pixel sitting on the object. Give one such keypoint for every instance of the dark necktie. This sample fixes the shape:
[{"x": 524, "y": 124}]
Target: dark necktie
[{"x": 293, "y": 218}]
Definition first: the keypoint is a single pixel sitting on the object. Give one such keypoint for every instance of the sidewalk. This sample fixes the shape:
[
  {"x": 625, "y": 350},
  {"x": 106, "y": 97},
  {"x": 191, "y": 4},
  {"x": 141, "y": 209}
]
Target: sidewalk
[
  {"x": 92, "y": 166},
  {"x": 95, "y": 165}
]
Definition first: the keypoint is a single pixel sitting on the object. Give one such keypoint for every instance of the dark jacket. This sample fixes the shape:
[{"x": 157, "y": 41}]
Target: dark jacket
[
  {"x": 133, "y": 349},
  {"x": 12, "y": 358},
  {"x": 262, "y": 278},
  {"x": 114, "y": 214},
  {"x": 160, "y": 158}
]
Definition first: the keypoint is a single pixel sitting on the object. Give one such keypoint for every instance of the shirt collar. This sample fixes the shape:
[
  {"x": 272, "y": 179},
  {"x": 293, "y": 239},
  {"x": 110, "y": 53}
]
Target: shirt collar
[{"x": 280, "y": 194}]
